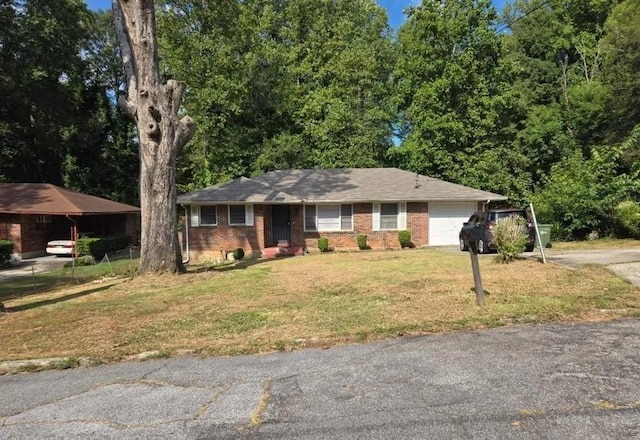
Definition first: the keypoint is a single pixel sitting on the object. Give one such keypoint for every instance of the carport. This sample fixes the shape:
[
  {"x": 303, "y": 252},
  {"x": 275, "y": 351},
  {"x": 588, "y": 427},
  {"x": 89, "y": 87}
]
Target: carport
[{"x": 31, "y": 214}]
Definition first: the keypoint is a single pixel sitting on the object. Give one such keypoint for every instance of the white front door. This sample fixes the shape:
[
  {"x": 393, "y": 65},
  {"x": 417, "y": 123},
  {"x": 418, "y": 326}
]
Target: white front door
[{"x": 446, "y": 219}]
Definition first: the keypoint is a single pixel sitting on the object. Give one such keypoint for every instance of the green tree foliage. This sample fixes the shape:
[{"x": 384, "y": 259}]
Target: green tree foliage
[
  {"x": 280, "y": 84},
  {"x": 104, "y": 156},
  {"x": 621, "y": 66},
  {"x": 628, "y": 214},
  {"x": 540, "y": 103},
  {"x": 458, "y": 114},
  {"x": 581, "y": 194},
  {"x": 41, "y": 85},
  {"x": 557, "y": 49},
  {"x": 58, "y": 121}
]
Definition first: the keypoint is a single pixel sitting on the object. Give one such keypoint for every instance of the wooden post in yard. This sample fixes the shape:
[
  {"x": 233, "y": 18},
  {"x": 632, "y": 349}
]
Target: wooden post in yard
[
  {"x": 535, "y": 226},
  {"x": 477, "y": 278}
]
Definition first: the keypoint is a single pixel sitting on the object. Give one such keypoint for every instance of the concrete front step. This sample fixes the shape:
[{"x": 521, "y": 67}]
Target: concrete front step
[{"x": 274, "y": 252}]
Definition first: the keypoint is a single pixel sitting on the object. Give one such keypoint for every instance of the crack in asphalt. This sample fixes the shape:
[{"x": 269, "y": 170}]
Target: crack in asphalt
[
  {"x": 102, "y": 422},
  {"x": 581, "y": 375}
]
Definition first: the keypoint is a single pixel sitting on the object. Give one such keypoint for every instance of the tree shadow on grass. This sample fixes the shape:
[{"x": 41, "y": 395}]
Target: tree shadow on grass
[
  {"x": 47, "y": 302},
  {"x": 243, "y": 264}
]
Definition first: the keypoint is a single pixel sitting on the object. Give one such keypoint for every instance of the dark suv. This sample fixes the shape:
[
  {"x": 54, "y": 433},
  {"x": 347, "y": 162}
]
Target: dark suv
[{"x": 480, "y": 226}]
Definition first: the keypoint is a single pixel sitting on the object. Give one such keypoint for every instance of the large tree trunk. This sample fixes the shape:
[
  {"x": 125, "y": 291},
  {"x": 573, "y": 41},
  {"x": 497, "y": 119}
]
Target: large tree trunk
[{"x": 154, "y": 105}]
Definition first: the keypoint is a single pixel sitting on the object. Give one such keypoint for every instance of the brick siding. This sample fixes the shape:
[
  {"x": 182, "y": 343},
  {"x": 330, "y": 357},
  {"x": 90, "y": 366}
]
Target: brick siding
[
  {"x": 417, "y": 223},
  {"x": 211, "y": 243}
]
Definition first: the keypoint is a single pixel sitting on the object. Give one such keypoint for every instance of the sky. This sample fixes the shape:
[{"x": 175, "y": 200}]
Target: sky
[{"x": 394, "y": 8}]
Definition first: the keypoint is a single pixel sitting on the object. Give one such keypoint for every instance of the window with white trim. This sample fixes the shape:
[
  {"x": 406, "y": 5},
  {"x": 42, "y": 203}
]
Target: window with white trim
[
  {"x": 389, "y": 216},
  {"x": 204, "y": 215},
  {"x": 241, "y": 215},
  {"x": 328, "y": 217},
  {"x": 208, "y": 215}
]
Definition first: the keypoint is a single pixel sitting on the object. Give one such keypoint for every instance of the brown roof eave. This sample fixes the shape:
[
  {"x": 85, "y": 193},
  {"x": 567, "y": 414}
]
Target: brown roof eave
[{"x": 70, "y": 214}]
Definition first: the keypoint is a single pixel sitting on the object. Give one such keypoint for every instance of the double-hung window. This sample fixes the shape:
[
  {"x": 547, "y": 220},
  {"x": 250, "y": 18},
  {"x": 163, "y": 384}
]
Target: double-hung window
[
  {"x": 204, "y": 215},
  {"x": 328, "y": 217},
  {"x": 240, "y": 215},
  {"x": 389, "y": 216}
]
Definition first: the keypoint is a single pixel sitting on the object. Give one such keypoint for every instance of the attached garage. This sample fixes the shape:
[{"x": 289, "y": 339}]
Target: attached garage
[{"x": 445, "y": 221}]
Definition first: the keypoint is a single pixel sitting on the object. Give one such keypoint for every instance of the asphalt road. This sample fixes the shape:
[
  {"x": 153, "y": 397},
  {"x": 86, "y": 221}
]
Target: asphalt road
[{"x": 564, "y": 381}]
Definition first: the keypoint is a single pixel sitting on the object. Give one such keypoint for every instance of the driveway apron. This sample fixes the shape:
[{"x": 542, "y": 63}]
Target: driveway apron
[{"x": 623, "y": 262}]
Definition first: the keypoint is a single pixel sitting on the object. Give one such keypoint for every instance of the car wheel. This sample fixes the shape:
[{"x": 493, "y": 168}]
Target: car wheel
[
  {"x": 463, "y": 246},
  {"x": 482, "y": 247}
]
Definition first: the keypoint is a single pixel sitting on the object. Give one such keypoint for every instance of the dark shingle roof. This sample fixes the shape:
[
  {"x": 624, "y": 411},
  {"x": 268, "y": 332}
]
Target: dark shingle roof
[
  {"x": 337, "y": 185},
  {"x": 47, "y": 199},
  {"x": 241, "y": 189}
]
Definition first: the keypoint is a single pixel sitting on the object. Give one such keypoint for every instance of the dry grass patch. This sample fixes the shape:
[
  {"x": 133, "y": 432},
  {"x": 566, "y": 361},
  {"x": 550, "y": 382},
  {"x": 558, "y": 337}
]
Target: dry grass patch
[
  {"x": 601, "y": 243},
  {"x": 307, "y": 301}
]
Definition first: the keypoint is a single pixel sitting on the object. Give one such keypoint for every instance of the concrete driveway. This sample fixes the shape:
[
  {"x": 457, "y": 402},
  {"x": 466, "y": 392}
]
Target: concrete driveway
[
  {"x": 561, "y": 381},
  {"x": 25, "y": 268},
  {"x": 624, "y": 262}
]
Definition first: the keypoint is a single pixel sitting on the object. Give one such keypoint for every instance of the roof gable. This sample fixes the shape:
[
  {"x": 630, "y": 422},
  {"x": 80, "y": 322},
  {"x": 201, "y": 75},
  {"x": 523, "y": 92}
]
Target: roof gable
[
  {"x": 337, "y": 185},
  {"x": 48, "y": 199}
]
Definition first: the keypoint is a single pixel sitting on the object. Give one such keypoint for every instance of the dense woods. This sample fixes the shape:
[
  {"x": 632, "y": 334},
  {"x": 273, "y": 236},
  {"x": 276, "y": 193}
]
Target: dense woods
[{"x": 539, "y": 102}]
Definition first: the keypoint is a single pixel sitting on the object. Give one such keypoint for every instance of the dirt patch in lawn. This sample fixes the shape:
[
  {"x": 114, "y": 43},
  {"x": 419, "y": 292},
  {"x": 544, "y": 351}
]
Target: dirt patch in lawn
[{"x": 316, "y": 300}]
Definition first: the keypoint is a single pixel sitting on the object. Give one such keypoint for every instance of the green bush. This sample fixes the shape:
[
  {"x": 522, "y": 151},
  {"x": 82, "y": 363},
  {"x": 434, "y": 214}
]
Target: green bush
[
  {"x": 98, "y": 247},
  {"x": 87, "y": 260},
  {"x": 323, "y": 244},
  {"x": 582, "y": 192},
  {"x": 238, "y": 254},
  {"x": 628, "y": 214},
  {"x": 362, "y": 241},
  {"x": 404, "y": 237},
  {"x": 6, "y": 249},
  {"x": 510, "y": 235}
]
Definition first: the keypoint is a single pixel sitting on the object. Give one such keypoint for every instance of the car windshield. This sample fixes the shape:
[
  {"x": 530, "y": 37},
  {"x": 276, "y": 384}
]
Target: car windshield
[{"x": 500, "y": 215}]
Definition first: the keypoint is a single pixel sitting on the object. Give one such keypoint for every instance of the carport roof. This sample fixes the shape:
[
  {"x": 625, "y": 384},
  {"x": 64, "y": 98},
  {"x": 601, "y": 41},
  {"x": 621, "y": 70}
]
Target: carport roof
[{"x": 48, "y": 199}]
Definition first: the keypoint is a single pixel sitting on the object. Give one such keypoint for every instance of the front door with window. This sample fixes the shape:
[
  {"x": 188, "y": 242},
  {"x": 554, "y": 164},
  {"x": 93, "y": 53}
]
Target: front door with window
[{"x": 281, "y": 223}]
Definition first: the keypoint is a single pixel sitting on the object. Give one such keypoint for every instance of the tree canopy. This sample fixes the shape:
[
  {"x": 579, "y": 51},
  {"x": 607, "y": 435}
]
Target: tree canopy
[{"x": 537, "y": 102}]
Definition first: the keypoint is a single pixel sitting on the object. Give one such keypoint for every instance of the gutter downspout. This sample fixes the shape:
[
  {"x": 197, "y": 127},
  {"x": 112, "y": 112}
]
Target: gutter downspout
[{"x": 186, "y": 235}]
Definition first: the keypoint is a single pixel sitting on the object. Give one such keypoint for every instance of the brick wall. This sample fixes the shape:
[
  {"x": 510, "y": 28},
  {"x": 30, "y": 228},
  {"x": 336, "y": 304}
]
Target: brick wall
[
  {"x": 10, "y": 230},
  {"x": 207, "y": 242},
  {"x": 210, "y": 242},
  {"x": 132, "y": 227},
  {"x": 417, "y": 223}
]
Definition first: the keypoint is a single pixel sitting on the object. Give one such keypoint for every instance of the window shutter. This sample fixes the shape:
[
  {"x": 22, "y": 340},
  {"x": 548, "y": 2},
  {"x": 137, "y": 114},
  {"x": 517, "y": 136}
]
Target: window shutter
[
  {"x": 376, "y": 216},
  {"x": 402, "y": 216},
  {"x": 195, "y": 215},
  {"x": 248, "y": 214}
]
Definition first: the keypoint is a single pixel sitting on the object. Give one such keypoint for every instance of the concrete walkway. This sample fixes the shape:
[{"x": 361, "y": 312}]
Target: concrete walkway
[{"x": 557, "y": 381}]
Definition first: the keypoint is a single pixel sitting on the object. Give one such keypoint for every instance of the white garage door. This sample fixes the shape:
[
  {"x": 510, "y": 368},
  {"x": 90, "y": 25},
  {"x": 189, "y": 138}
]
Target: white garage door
[{"x": 445, "y": 221}]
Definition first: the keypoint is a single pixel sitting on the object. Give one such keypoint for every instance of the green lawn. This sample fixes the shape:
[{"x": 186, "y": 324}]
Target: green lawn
[{"x": 316, "y": 300}]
